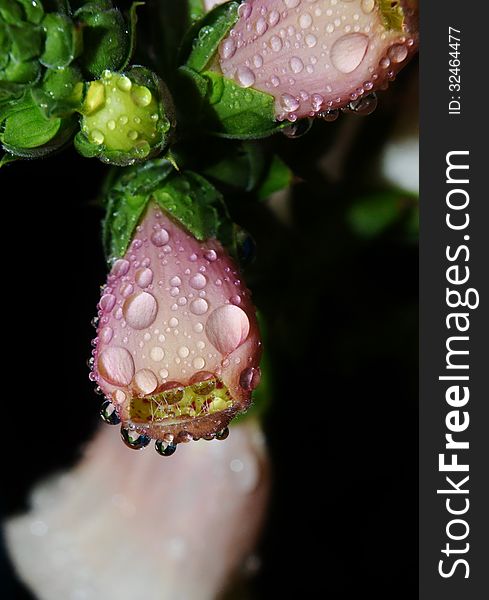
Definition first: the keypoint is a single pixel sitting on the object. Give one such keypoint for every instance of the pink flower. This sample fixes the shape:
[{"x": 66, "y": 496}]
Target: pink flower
[
  {"x": 315, "y": 56},
  {"x": 177, "y": 347}
]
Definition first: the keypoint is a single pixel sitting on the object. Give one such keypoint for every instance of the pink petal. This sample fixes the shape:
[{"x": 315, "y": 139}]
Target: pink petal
[
  {"x": 315, "y": 55},
  {"x": 175, "y": 312}
]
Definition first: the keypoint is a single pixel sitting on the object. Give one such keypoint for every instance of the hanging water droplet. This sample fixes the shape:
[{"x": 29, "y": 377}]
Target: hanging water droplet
[
  {"x": 165, "y": 448},
  {"x": 223, "y": 434},
  {"x": 109, "y": 414},
  {"x": 133, "y": 439},
  {"x": 363, "y": 106},
  {"x": 329, "y": 115},
  {"x": 250, "y": 378},
  {"x": 298, "y": 129}
]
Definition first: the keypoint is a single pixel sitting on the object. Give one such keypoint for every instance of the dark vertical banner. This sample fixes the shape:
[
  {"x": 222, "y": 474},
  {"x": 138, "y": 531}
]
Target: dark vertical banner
[{"x": 454, "y": 302}]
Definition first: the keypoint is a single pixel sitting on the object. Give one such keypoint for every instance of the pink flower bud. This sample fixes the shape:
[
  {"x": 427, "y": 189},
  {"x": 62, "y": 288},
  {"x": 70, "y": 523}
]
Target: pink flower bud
[
  {"x": 315, "y": 56},
  {"x": 177, "y": 348}
]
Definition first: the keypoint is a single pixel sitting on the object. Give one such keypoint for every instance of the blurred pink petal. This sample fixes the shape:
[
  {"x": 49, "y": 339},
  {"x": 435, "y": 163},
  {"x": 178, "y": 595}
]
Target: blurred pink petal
[{"x": 126, "y": 525}]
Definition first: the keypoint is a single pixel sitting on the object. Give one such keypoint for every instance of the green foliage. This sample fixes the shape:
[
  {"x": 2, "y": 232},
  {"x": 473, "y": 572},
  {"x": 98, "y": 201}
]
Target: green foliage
[{"x": 189, "y": 198}]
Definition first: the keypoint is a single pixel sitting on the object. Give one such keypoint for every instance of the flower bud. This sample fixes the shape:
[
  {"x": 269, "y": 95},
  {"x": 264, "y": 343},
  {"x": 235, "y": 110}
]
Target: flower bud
[
  {"x": 318, "y": 56},
  {"x": 177, "y": 348},
  {"x": 126, "y": 117}
]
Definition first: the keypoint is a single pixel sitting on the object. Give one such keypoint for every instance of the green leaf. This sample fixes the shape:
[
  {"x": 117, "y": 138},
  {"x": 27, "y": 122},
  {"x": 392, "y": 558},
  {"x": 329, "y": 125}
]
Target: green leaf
[
  {"x": 27, "y": 127},
  {"x": 33, "y": 10},
  {"x": 209, "y": 32},
  {"x": 61, "y": 41},
  {"x": 189, "y": 198},
  {"x": 236, "y": 112},
  {"x": 278, "y": 177},
  {"x": 61, "y": 92},
  {"x": 106, "y": 41}
]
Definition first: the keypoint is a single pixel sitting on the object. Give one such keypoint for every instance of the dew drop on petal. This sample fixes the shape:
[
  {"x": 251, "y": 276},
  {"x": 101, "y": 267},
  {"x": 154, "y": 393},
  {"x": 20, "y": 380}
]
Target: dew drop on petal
[
  {"x": 198, "y": 282},
  {"x": 157, "y": 353},
  {"x": 245, "y": 76},
  {"x": 289, "y": 103},
  {"x": 227, "y": 328},
  {"x": 116, "y": 365},
  {"x": 120, "y": 267},
  {"x": 107, "y": 302},
  {"x": 199, "y": 306},
  {"x": 160, "y": 237},
  {"x": 210, "y": 255},
  {"x": 145, "y": 380},
  {"x": 397, "y": 53},
  {"x": 106, "y": 334},
  {"x": 140, "y": 310},
  {"x": 349, "y": 51},
  {"x": 144, "y": 277},
  {"x": 198, "y": 363}
]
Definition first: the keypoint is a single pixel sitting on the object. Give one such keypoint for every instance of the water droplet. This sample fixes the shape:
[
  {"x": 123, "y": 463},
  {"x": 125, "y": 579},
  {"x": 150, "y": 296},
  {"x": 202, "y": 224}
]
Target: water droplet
[
  {"x": 289, "y": 103},
  {"x": 250, "y": 378},
  {"x": 198, "y": 282},
  {"x": 116, "y": 365},
  {"x": 164, "y": 373},
  {"x": 106, "y": 334},
  {"x": 96, "y": 137},
  {"x": 175, "y": 281},
  {"x": 227, "y": 49},
  {"x": 140, "y": 310},
  {"x": 257, "y": 61},
  {"x": 227, "y": 328},
  {"x": 173, "y": 322},
  {"x": 275, "y": 43},
  {"x": 123, "y": 119},
  {"x": 111, "y": 124},
  {"x": 126, "y": 289},
  {"x": 223, "y": 434},
  {"x": 107, "y": 302},
  {"x": 305, "y": 20},
  {"x": 157, "y": 353},
  {"x": 124, "y": 83},
  {"x": 165, "y": 448},
  {"x": 368, "y": 6},
  {"x": 141, "y": 96},
  {"x": 245, "y": 76},
  {"x": 199, "y": 306},
  {"x": 261, "y": 26},
  {"x": 296, "y": 64},
  {"x": 146, "y": 381},
  {"x": 349, "y": 51},
  {"x": 311, "y": 40},
  {"x": 198, "y": 328},
  {"x": 132, "y": 134},
  {"x": 109, "y": 414},
  {"x": 144, "y": 277},
  {"x": 397, "y": 53},
  {"x": 210, "y": 255},
  {"x": 133, "y": 439},
  {"x": 273, "y": 18},
  {"x": 198, "y": 363},
  {"x": 385, "y": 63},
  {"x": 183, "y": 352},
  {"x": 363, "y": 106},
  {"x": 244, "y": 10}
]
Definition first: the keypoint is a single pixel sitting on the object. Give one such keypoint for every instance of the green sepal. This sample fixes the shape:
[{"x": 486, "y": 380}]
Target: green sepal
[
  {"x": 236, "y": 112},
  {"x": 33, "y": 10},
  {"x": 195, "y": 10},
  {"x": 61, "y": 91},
  {"x": 186, "y": 196},
  {"x": 61, "y": 43},
  {"x": 106, "y": 41},
  {"x": 201, "y": 43},
  {"x": 27, "y": 132},
  {"x": 392, "y": 14}
]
